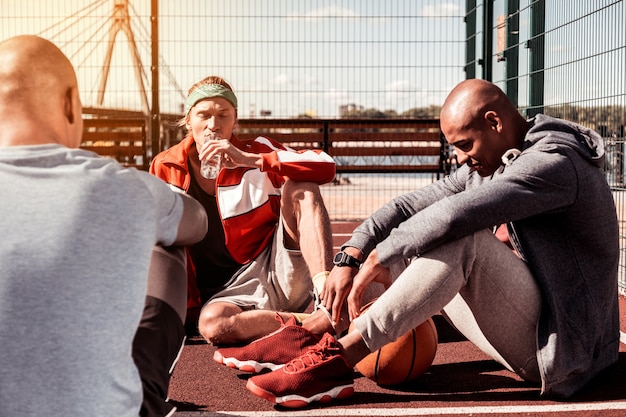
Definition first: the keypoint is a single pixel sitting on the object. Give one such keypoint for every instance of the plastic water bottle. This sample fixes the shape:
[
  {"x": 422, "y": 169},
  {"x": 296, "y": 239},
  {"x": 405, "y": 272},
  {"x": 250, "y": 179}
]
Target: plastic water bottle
[{"x": 209, "y": 168}]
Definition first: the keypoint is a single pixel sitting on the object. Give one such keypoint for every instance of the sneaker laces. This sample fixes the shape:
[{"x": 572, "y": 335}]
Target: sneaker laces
[
  {"x": 317, "y": 305},
  {"x": 325, "y": 349}
]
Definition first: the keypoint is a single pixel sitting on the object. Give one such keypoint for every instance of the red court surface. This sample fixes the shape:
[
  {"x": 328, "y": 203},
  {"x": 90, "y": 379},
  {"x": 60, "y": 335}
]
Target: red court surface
[{"x": 461, "y": 382}]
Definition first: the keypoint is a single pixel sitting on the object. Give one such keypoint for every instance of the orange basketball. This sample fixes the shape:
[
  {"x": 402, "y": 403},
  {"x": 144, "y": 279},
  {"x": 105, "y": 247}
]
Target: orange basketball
[{"x": 403, "y": 360}]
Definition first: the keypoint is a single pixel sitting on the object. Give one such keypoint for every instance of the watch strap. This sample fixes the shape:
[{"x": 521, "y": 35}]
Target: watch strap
[{"x": 343, "y": 259}]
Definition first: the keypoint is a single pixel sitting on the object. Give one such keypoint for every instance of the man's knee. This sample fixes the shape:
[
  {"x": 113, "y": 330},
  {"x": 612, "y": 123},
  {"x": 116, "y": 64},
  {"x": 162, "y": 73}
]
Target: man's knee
[
  {"x": 208, "y": 325},
  {"x": 216, "y": 323},
  {"x": 302, "y": 202},
  {"x": 302, "y": 195}
]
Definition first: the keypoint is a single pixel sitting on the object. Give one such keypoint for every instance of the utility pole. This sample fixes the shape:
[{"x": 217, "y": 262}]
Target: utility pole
[{"x": 155, "y": 130}]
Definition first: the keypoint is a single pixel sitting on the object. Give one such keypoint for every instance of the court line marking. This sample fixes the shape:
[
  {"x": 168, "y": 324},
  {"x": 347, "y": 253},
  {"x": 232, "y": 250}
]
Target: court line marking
[
  {"x": 622, "y": 337},
  {"x": 387, "y": 412}
]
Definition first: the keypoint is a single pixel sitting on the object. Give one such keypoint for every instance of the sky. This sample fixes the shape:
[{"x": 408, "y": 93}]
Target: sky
[
  {"x": 288, "y": 57},
  {"x": 293, "y": 57}
]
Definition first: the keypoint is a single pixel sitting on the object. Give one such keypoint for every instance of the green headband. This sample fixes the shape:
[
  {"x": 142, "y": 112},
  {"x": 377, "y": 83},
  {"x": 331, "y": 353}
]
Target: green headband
[{"x": 207, "y": 91}]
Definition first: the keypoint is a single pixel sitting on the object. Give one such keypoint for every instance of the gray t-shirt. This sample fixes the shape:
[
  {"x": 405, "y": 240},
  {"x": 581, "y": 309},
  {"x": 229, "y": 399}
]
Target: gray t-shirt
[{"x": 77, "y": 233}]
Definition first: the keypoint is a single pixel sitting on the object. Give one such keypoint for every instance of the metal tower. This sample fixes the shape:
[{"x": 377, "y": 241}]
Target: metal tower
[{"x": 121, "y": 21}]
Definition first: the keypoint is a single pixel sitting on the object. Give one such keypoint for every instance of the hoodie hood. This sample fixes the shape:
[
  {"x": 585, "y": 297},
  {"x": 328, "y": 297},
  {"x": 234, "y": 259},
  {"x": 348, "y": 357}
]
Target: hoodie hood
[{"x": 587, "y": 142}]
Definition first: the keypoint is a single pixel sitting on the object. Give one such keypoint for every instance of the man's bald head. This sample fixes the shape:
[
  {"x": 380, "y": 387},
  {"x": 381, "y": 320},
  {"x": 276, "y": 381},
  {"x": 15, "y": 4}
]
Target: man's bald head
[
  {"x": 482, "y": 123},
  {"x": 471, "y": 99},
  {"x": 38, "y": 90}
]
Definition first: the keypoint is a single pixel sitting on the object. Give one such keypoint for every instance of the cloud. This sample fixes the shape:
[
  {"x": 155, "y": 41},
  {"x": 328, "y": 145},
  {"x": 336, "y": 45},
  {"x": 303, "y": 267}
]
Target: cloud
[
  {"x": 403, "y": 95},
  {"x": 281, "y": 79},
  {"x": 325, "y": 12},
  {"x": 400, "y": 86},
  {"x": 400, "y": 91},
  {"x": 337, "y": 96},
  {"x": 299, "y": 83},
  {"x": 310, "y": 80},
  {"x": 441, "y": 10},
  {"x": 333, "y": 95}
]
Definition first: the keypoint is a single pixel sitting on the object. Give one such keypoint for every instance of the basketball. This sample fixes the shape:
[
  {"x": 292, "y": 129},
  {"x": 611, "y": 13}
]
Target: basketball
[{"x": 403, "y": 360}]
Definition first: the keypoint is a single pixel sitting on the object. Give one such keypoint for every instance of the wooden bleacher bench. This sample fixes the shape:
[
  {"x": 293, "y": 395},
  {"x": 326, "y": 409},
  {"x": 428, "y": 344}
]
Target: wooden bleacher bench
[
  {"x": 342, "y": 231},
  {"x": 122, "y": 139},
  {"x": 381, "y": 140},
  {"x": 361, "y": 145},
  {"x": 357, "y": 145}
]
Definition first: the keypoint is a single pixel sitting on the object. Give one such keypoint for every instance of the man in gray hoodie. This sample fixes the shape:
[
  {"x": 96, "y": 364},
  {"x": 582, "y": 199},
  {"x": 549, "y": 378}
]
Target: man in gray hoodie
[{"x": 547, "y": 310}]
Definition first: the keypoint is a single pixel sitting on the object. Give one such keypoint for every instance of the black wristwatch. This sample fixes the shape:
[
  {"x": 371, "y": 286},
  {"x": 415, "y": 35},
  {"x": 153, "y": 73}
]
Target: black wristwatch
[{"x": 343, "y": 259}]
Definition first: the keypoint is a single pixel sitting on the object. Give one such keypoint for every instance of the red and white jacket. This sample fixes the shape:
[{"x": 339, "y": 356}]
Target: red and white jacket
[{"x": 248, "y": 199}]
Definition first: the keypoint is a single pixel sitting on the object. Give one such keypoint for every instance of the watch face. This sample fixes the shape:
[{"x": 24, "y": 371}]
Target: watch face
[
  {"x": 339, "y": 258},
  {"x": 343, "y": 259}
]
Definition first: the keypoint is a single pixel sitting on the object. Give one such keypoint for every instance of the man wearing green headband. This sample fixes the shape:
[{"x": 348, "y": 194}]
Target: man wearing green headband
[
  {"x": 206, "y": 91},
  {"x": 269, "y": 232}
]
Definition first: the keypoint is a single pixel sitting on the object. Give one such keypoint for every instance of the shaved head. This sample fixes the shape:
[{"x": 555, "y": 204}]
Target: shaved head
[
  {"x": 471, "y": 99},
  {"x": 38, "y": 92},
  {"x": 482, "y": 123}
]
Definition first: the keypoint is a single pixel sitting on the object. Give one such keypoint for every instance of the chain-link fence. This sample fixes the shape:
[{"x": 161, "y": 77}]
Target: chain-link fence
[{"x": 350, "y": 59}]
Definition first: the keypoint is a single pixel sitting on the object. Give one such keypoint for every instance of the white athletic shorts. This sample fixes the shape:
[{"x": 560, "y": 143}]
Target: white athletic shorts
[{"x": 278, "y": 279}]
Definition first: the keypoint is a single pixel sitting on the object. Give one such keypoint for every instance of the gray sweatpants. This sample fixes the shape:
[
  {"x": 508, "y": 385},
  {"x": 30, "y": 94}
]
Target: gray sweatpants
[{"x": 480, "y": 286}]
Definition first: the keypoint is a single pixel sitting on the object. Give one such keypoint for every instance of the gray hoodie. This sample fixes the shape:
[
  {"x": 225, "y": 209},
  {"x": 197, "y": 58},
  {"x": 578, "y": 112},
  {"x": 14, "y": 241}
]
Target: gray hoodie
[{"x": 561, "y": 219}]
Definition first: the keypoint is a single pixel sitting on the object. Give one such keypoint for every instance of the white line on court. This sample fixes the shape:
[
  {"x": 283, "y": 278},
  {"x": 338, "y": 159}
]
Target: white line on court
[
  {"x": 432, "y": 411},
  {"x": 622, "y": 337}
]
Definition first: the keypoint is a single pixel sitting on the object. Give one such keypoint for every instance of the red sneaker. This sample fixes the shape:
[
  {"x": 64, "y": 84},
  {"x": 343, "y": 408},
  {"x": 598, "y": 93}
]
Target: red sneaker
[
  {"x": 269, "y": 352},
  {"x": 322, "y": 374}
]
